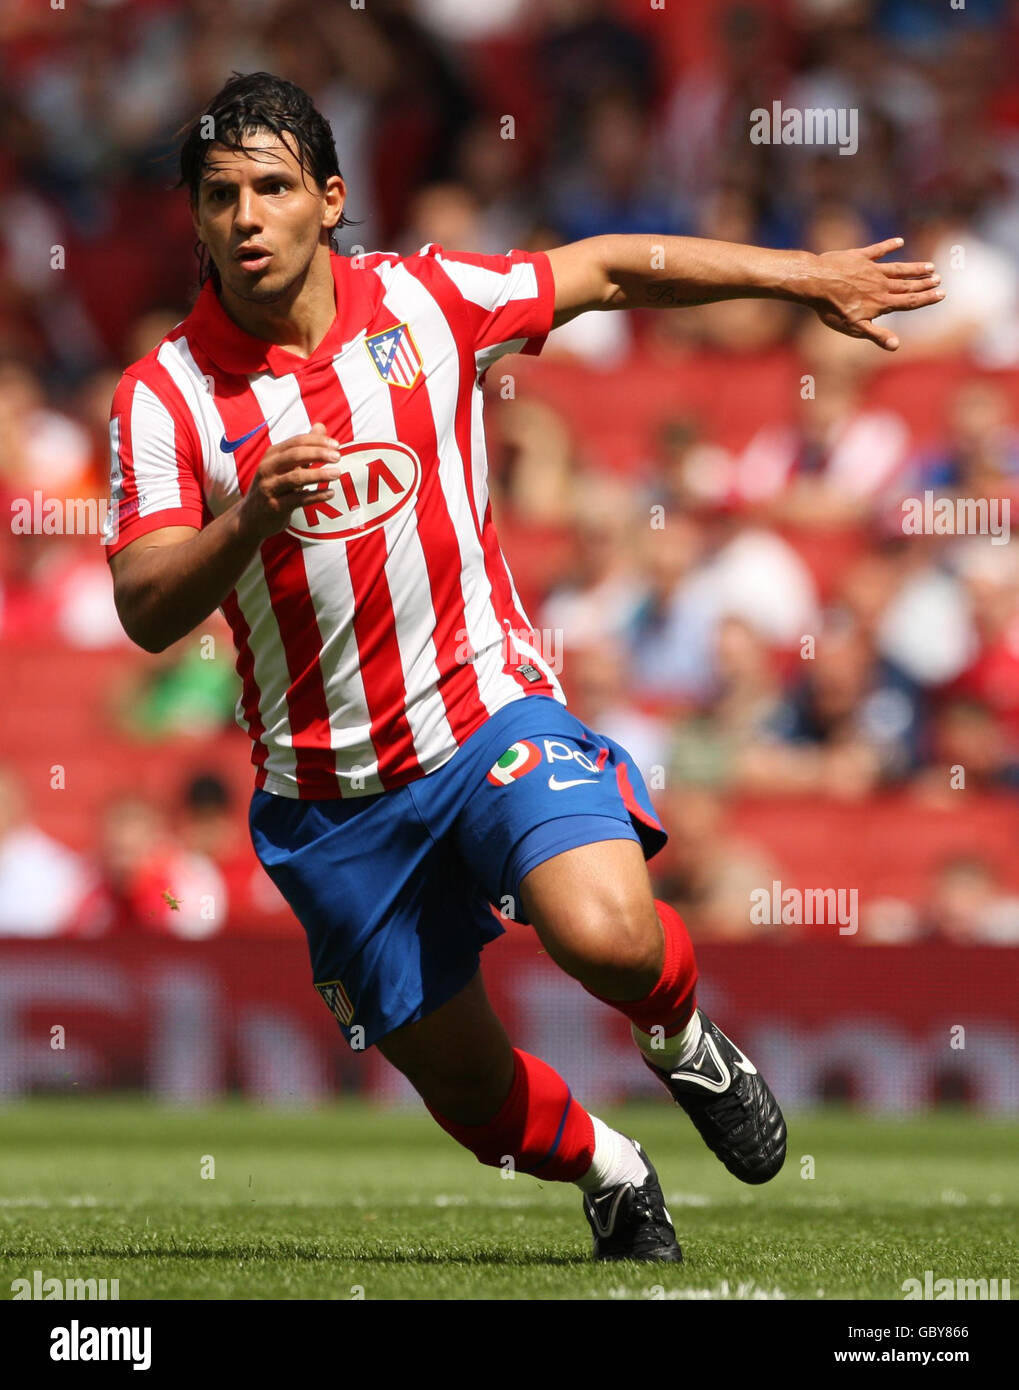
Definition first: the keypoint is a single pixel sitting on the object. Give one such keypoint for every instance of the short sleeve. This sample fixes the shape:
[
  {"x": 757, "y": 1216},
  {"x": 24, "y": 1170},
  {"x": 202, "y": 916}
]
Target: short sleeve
[
  {"x": 155, "y": 465},
  {"x": 504, "y": 303}
]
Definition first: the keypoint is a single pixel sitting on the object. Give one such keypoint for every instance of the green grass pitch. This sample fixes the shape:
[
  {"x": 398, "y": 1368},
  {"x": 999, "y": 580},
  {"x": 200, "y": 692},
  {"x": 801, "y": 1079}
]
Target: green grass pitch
[{"x": 356, "y": 1201}]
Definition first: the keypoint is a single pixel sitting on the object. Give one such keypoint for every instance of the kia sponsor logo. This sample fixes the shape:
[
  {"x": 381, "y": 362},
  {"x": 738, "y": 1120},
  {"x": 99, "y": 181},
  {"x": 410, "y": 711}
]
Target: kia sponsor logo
[{"x": 379, "y": 480}]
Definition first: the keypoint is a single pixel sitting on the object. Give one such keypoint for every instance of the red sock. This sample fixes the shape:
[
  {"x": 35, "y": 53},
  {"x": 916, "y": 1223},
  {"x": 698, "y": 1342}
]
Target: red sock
[
  {"x": 540, "y": 1126},
  {"x": 672, "y": 1002}
]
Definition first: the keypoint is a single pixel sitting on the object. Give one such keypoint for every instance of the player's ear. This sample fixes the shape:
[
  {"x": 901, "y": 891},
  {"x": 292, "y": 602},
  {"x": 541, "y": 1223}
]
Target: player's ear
[
  {"x": 194, "y": 220},
  {"x": 335, "y": 197}
]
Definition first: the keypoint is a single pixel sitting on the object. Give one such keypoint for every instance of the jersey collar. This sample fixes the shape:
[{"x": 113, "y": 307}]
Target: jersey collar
[{"x": 238, "y": 352}]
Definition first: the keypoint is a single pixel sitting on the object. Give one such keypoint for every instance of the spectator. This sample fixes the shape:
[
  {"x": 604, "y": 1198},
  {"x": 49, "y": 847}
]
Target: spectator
[
  {"x": 969, "y": 906},
  {"x": 212, "y": 831},
  {"x": 979, "y": 454},
  {"x": 595, "y": 600},
  {"x": 981, "y": 304},
  {"x": 591, "y": 678},
  {"x": 40, "y": 448},
  {"x": 852, "y": 723},
  {"x": 694, "y": 577},
  {"x": 970, "y": 750},
  {"x": 41, "y": 881},
  {"x": 142, "y": 882},
  {"x": 706, "y": 872},
  {"x": 668, "y": 634},
  {"x": 991, "y": 576},
  {"x": 614, "y": 186},
  {"x": 827, "y": 468},
  {"x": 190, "y": 688}
]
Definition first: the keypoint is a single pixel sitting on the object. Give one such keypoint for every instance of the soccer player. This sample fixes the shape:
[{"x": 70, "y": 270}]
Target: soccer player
[{"x": 306, "y": 451}]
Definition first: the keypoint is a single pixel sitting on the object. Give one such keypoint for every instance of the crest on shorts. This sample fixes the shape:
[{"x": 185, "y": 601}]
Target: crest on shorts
[
  {"x": 518, "y": 759},
  {"x": 337, "y": 1000},
  {"x": 395, "y": 355}
]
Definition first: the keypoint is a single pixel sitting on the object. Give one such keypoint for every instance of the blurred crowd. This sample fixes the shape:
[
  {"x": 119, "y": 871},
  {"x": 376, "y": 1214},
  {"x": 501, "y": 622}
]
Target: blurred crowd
[
  {"x": 745, "y": 612},
  {"x": 181, "y": 867}
]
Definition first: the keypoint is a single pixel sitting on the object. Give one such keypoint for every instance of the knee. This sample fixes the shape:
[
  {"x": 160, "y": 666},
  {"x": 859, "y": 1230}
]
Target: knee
[{"x": 610, "y": 936}]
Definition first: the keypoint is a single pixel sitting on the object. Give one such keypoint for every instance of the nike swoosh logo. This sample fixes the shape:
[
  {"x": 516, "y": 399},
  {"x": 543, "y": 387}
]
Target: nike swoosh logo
[
  {"x": 558, "y": 786},
  {"x": 682, "y": 1074},
  {"x": 229, "y": 445},
  {"x": 604, "y": 1228}
]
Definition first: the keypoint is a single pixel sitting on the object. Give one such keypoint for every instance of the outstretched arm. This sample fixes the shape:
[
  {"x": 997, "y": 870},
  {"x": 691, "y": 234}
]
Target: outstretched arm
[{"x": 847, "y": 289}]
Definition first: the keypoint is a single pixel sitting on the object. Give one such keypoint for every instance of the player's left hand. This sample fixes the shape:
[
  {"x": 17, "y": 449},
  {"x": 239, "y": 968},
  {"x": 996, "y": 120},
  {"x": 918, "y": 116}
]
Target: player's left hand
[{"x": 851, "y": 290}]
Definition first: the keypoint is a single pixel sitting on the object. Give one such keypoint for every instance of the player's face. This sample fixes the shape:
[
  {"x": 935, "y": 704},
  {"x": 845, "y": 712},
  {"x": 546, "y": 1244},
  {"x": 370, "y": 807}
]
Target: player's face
[{"x": 262, "y": 217}]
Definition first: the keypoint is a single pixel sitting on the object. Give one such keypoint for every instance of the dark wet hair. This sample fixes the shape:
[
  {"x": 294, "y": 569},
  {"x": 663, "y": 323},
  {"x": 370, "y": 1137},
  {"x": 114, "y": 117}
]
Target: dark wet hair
[{"x": 257, "y": 101}]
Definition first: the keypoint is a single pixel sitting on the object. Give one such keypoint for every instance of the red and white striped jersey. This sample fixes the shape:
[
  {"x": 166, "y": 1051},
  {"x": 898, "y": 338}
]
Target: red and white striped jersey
[{"x": 383, "y": 627}]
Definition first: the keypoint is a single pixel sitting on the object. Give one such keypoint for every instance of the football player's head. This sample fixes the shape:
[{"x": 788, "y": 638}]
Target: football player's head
[{"x": 265, "y": 187}]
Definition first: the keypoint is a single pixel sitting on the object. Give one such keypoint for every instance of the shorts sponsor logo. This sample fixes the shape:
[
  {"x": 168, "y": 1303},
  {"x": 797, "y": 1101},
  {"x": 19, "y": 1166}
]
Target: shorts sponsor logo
[
  {"x": 558, "y": 752},
  {"x": 523, "y": 756},
  {"x": 518, "y": 759},
  {"x": 337, "y": 1000}
]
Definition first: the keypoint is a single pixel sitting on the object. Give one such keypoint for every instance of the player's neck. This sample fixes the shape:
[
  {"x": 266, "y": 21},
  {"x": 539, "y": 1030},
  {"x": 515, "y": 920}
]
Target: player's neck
[{"x": 297, "y": 322}]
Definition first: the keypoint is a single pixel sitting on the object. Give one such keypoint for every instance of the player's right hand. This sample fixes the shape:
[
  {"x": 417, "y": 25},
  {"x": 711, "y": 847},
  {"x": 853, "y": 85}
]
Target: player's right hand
[{"x": 282, "y": 478}]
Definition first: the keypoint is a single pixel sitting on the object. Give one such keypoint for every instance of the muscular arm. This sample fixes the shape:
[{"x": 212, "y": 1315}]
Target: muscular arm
[
  {"x": 170, "y": 580},
  {"x": 847, "y": 289},
  {"x": 167, "y": 582}
]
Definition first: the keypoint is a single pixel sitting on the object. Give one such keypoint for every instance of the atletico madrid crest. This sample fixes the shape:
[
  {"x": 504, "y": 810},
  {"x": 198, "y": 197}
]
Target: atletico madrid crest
[
  {"x": 337, "y": 999},
  {"x": 395, "y": 355}
]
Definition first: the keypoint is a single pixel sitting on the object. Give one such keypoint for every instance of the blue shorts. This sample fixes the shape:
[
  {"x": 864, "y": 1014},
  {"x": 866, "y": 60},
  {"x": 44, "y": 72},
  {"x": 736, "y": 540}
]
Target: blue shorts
[{"x": 396, "y": 890}]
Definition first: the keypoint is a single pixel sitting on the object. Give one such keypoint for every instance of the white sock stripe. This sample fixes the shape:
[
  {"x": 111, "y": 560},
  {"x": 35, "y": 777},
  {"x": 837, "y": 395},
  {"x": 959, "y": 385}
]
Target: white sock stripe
[
  {"x": 669, "y": 1053},
  {"x": 615, "y": 1160}
]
